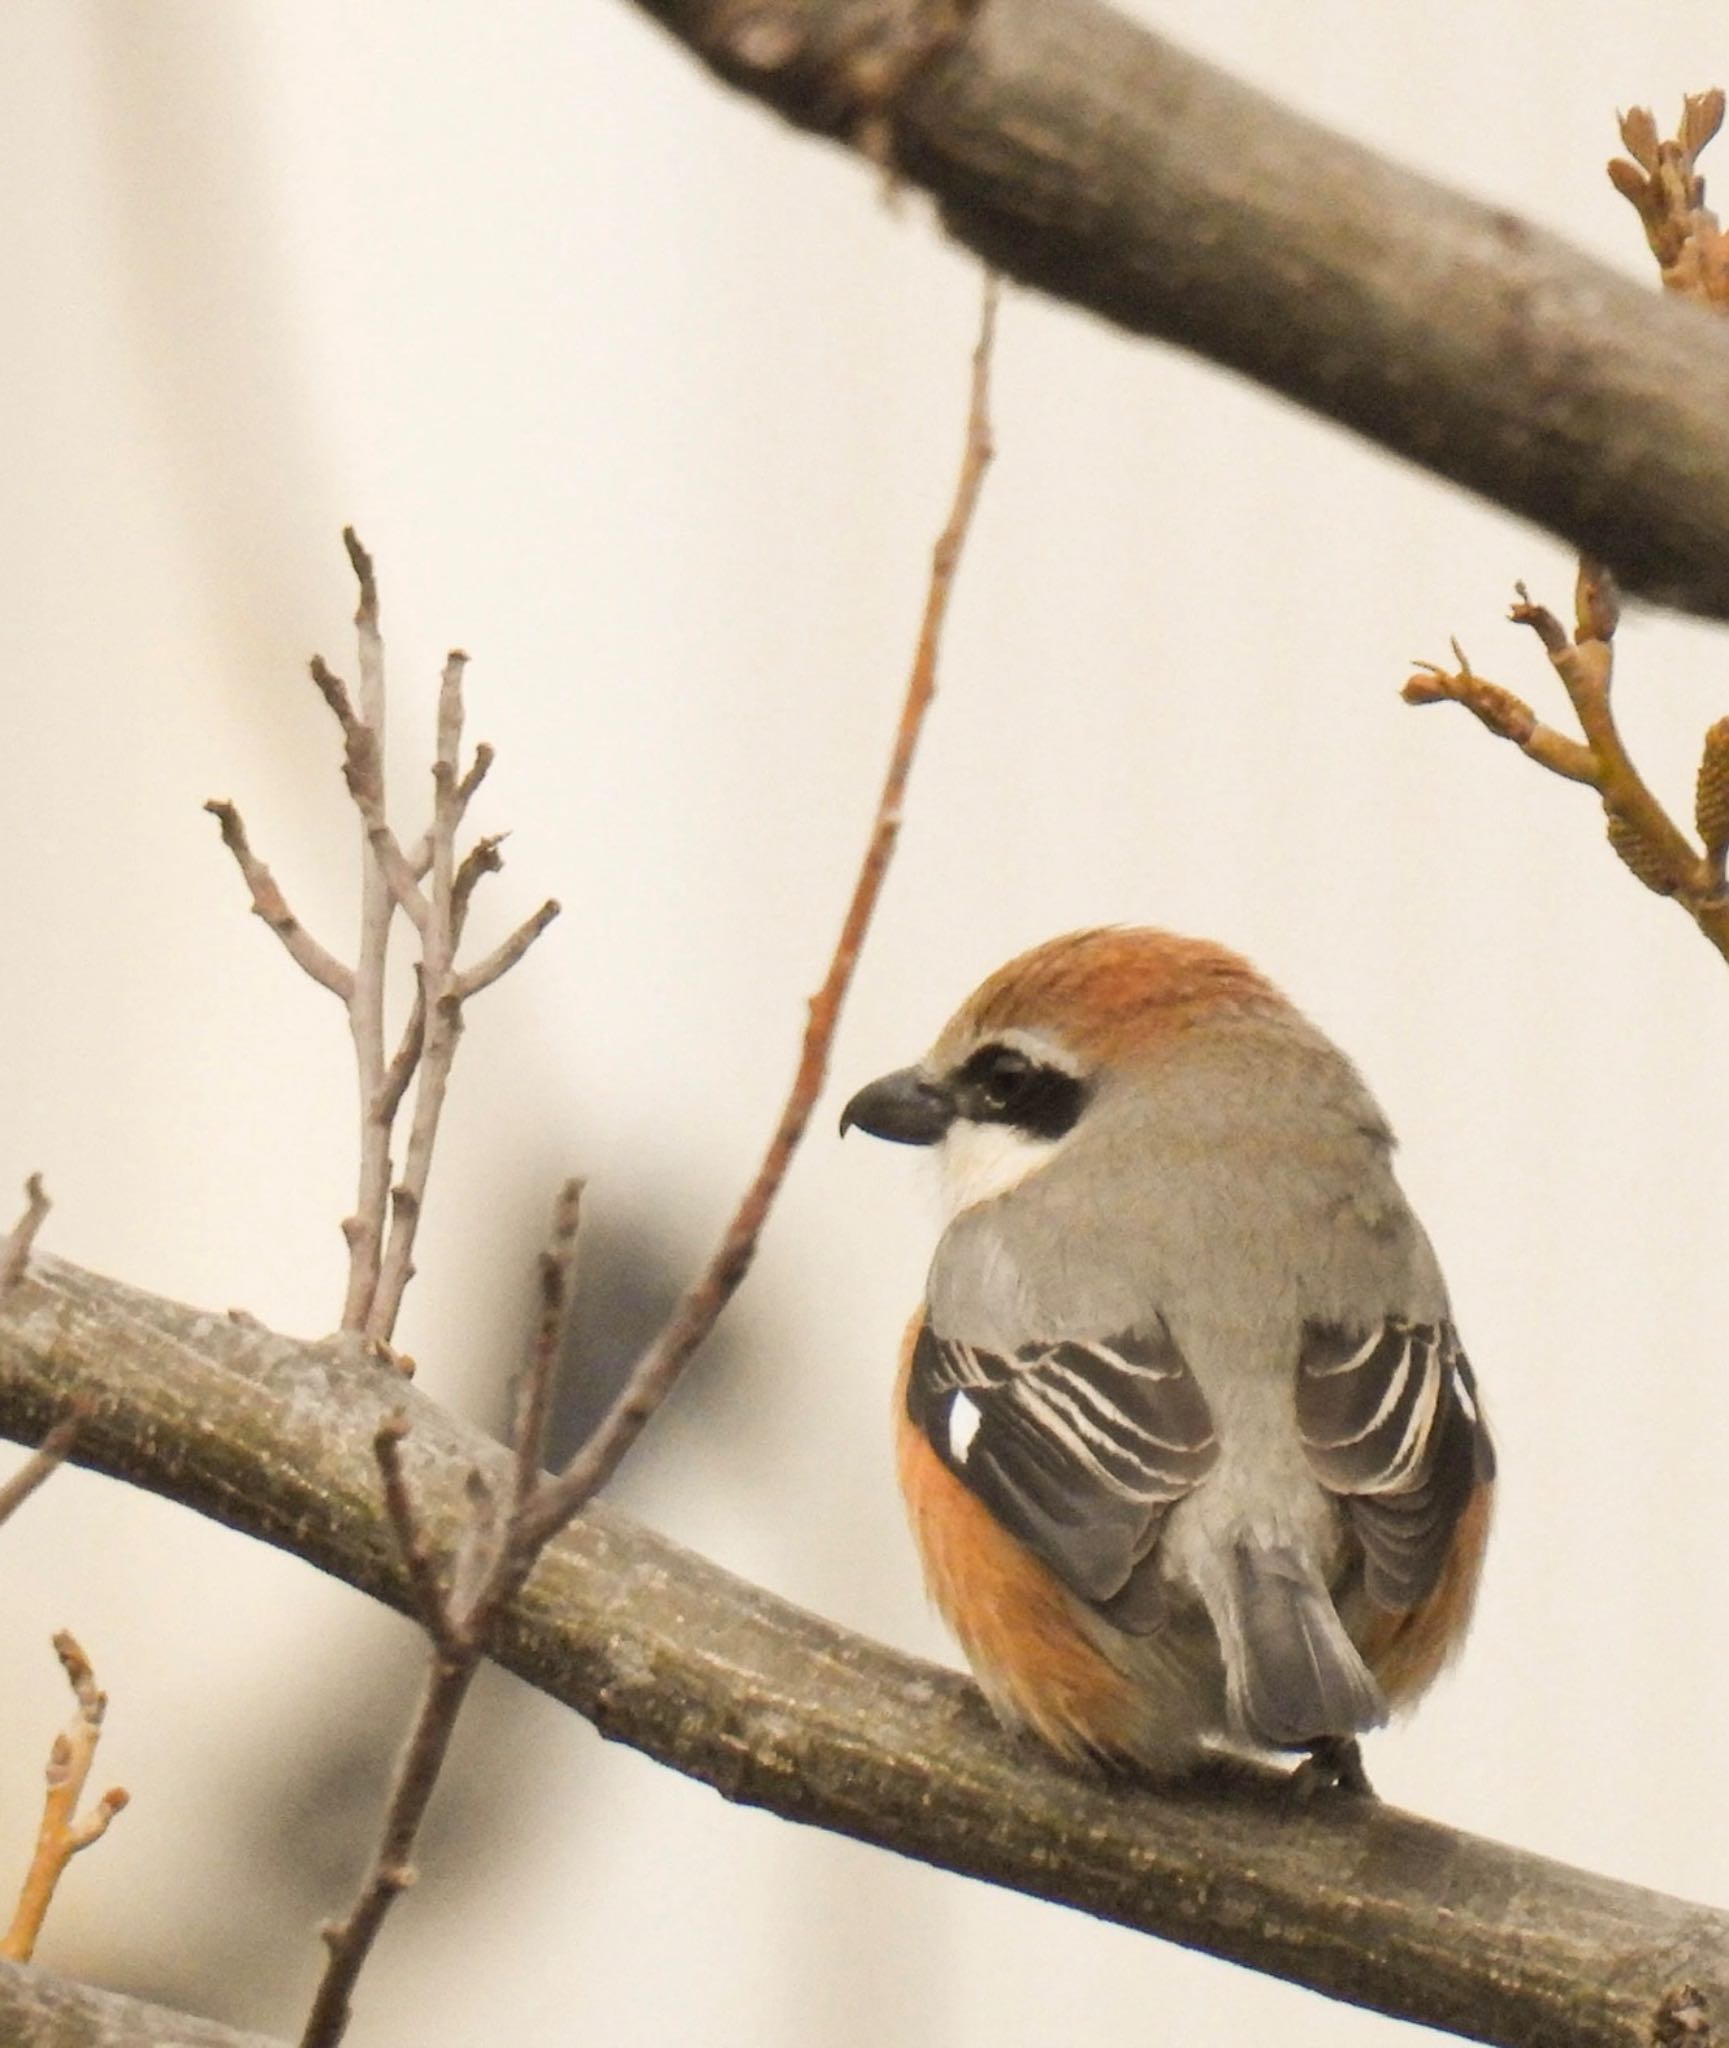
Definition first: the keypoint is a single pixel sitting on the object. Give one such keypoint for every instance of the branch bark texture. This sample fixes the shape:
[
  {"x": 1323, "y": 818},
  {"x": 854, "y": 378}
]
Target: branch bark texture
[
  {"x": 777, "y": 1709},
  {"x": 42, "y": 2011},
  {"x": 1082, "y": 154}
]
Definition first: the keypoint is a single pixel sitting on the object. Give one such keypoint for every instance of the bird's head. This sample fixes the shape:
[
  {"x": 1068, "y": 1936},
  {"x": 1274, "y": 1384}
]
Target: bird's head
[{"x": 1042, "y": 1042}]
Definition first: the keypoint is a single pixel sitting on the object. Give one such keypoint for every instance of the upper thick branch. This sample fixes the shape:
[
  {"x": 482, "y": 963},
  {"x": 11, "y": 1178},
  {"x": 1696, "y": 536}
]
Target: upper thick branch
[
  {"x": 775, "y": 1708},
  {"x": 1080, "y": 153}
]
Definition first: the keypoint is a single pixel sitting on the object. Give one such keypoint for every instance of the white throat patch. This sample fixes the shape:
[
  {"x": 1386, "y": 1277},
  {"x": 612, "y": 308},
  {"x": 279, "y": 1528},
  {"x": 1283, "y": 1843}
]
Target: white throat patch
[{"x": 981, "y": 1161}]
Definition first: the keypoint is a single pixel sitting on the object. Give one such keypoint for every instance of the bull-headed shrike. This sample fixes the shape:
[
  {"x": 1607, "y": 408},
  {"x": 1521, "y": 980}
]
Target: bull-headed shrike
[{"x": 1188, "y": 1443}]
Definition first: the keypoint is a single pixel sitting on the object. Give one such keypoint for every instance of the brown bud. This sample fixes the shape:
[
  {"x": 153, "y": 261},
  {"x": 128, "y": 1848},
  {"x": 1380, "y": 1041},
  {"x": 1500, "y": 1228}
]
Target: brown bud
[
  {"x": 1541, "y": 621},
  {"x": 1639, "y": 133},
  {"x": 1711, "y": 803},
  {"x": 1629, "y": 181},
  {"x": 1701, "y": 117},
  {"x": 1596, "y": 601},
  {"x": 1636, "y": 851}
]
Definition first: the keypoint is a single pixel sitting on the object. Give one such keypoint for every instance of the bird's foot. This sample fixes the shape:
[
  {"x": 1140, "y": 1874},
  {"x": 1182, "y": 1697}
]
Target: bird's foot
[{"x": 1333, "y": 1765}]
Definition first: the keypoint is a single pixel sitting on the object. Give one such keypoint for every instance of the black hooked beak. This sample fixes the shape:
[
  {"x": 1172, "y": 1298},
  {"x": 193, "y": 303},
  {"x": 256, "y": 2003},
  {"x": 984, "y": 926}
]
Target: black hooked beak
[{"x": 907, "y": 1108}]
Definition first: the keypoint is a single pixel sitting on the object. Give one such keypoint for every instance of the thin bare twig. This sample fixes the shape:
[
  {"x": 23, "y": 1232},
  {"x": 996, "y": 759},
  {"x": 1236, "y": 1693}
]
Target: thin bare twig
[
  {"x": 458, "y": 1617},
  {"x": 349, "y": 1941},
  {"x": 381, "y": 1230},
  {"x": 653, "y": 1376},
  {"x": 417, "y": 1554},
  {"x": 53, "y": 1451},
  {"x": 63, "y": 1832},
  {"x": 363, "y": 765},
  {"x": 439, "y": 912},
  {"x": 15, "y": 1258},
  {"x": 497, "y": 1552},
  {"x": 1663, "y": 184},
  {"x": 533, "y": 1405},
  {"x": 504, "y": 956},
  {"x": 269, "y": 903}
]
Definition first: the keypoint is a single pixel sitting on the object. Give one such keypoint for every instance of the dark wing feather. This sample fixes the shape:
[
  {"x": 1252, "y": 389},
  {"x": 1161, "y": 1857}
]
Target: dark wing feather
[
  {"x": 1390, "y": 1421},
  {"x": 1077, "y": 1449}
]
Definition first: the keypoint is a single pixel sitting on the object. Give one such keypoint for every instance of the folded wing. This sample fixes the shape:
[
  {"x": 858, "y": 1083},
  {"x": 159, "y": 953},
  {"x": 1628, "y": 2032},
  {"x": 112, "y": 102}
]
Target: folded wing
[
  {"x": 1390, "y": 1421},
  {"x": 1078, "y": 1449}
]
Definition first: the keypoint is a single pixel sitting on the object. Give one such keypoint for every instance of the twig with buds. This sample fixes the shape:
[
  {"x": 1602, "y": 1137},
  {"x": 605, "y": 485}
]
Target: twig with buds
[
  {"x": 1663, "y": 184},
  {"x": 64, "y": 1831}
]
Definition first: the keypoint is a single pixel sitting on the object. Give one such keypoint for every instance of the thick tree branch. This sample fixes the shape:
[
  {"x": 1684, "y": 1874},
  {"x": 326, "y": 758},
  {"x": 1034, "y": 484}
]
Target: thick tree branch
[
  {"x": 42, "y": 2011},
  {"x": 777, "y": 1709},
  {"x": 1085, "y": 155}
]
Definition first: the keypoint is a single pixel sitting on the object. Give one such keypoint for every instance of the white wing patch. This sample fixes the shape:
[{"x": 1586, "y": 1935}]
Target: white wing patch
[
  {"x": 1078, "y": 1449},
  {"x": 964, "y": 1420}
]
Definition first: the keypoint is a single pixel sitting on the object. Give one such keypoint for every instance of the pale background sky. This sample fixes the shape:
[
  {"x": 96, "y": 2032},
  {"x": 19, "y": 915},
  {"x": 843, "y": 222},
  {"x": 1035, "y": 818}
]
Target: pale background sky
[{"x": 653, "y": 406}]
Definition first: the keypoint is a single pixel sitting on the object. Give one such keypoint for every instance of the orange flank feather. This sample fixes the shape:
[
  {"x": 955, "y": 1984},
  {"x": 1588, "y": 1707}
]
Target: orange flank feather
[
  {"x": 1407, "y": 1652},
  {"x": 1017, "y": 1626},
  {"x": 1012, "y": 1617}
]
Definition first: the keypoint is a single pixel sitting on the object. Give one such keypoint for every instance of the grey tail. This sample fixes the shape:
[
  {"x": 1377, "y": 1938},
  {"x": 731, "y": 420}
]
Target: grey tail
[{"x": 1293, "y": 1676}]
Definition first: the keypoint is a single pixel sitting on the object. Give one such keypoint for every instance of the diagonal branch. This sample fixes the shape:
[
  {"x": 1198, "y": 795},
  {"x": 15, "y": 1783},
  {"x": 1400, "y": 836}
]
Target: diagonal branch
[
  {"x": 1079, "y": 152},
  {"x": 485, "y": 1575},
  {"x": 497, "y": 1551},
  {"x": 778, "y": 1709},
  {"x": 655, "y": 1373}
]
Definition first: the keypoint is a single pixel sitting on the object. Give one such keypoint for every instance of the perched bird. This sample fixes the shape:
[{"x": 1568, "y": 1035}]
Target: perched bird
[{"x": 1188, "y": 1443}]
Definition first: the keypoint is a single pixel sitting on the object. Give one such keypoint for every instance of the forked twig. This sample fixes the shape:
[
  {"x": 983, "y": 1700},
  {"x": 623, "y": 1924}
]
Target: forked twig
[
  {"x": 1663, "y": 183},
  {"x": 63, "y": 1832},
  {"x": 380, "y": 1233},
  {"x": 457, "y": 1610},
  {"x": 500, "y": 1548}
]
